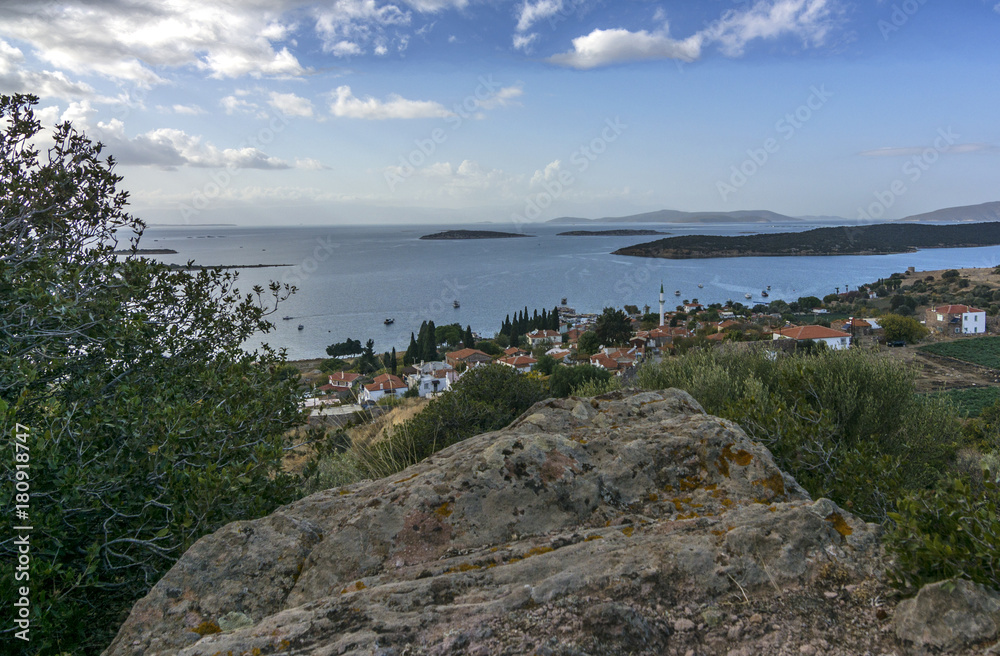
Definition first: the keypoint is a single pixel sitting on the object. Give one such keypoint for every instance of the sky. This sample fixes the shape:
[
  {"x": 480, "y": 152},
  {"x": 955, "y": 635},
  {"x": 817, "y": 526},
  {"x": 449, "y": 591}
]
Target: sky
[{"x": 465, "y": 111}]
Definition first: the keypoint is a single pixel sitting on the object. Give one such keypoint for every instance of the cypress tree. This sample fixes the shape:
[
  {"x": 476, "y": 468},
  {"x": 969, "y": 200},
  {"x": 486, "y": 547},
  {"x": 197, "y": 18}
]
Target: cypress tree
[
  {"x": 470, "y": 341},
  {"x": 393, "y": 361},
  {"x": 412, "y": 352},
  {"x": 429, "y": 346}
]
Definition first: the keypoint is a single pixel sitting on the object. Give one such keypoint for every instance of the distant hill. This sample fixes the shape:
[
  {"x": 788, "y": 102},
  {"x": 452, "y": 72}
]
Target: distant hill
[
  {"x": 967, "y": 213},
  {"x": 611, "y": 233},
  {"x": 877, "y": 239},
  {"x": 677, "y": 216}
]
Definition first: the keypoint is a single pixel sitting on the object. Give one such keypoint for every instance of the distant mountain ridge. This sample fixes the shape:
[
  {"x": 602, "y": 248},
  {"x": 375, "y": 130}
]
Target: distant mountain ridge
[
  {"x": 677, "y": 216},
  {"x": 965, "y": 213}
]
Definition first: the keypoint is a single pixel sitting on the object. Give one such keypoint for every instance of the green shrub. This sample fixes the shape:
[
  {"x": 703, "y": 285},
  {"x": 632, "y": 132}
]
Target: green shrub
[
  {"x": 952, "y": 531},
  {"x": 564, "y": 380},
  {"x": 846, "y": 425}
]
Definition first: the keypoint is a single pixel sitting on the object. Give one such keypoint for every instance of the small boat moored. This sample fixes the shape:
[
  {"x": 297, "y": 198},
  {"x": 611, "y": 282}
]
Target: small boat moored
[
  {"x": 764, "y": 294},
  {"x": 389, "y": 322},
  {"x": 301, "y": 327},
  {"x": 748, "y": 296},
  {"x": 456, "y": 304},
  {"x": 287, "y": 318}
]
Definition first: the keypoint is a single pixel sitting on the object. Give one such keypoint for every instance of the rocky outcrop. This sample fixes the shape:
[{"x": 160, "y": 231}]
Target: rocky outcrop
[
  {"x": 949, "y": 615},
  {"x": 627, "y": 524}
]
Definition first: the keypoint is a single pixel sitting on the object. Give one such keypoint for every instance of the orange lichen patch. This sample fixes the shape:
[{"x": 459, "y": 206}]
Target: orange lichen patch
[
  {"x": 717, "y": 533},
  {"x": 692, "y": 515},
  {"x": 679, "y": 502},
  {"x": 464, "y": 567},
  {"x": 728, "y": 503},
  {"x": 537, "y": 551},
  {"x": 654, "y": 497},
  {"x": 690, "y": 483},
  {"x": 591, "y": 538},
  {"x": 357, "y": 587},
  {"x": 775, "y": 483},
  {"x": 207, "y": 627},
  {"x": 627, "y": 531},
  {"x": 773, "y": 509},
  {"x": 444, "y": 510},
  {"x": 722, "y": 465},
  {"x": 408, "y": 478},
  {"x": 839, "y": 524},
  {"x": 712, "y": 487},
  {"x": 342, "y": 492}
]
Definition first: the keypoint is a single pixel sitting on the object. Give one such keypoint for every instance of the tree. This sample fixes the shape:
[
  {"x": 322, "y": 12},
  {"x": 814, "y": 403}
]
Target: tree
[
  {"x": 588, "y": 343},
  {"x": 349, "y": 347},
  {"x": 428, "y": 343},
  {"x": 469, "y": 340},
  {"x": 613, "y": 327},
  {"x": 155, "y": 427},
  {"x": 412, "y": 352},
  {"x": 393, "y": 362},
  {"x": 902, "y": 329},
  {"x": 565, "y": 379},
  {"x": 368, "y": 362}
]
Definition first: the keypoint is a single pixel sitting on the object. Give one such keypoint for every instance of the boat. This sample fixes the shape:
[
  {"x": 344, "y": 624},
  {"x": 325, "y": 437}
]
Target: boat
[
  {"x": 564, "y": 300},
  {"x": 287, "y": 318},
  {"x": 764, "y": 294},
  {"x": 677, "y": 293},
  {"x": 769, "y": 288},
  {"x": 748, "y": 296},
  {"x": 701, "y": 286},
  {"x": 389, "y": 322},
  {"x": 456, "y": 304},
  {"x": 301, "y": 327}
]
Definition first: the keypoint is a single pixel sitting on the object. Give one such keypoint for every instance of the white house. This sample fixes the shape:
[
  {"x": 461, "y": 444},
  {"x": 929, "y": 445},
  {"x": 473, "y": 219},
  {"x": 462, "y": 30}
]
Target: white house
[
  {"x": 957, "y": 319},
  {"x": 834, "y": 339},
  {"x": 521, "y": 363},
  {"x": 537, "y": 337},
  {"x": 432, "y": 377},
  {"x": 384, "y": 385},
  {"x": 560, "y": 354}
]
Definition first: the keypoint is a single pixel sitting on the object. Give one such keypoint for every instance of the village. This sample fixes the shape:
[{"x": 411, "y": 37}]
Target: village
[{"x": 877, "y": 315}]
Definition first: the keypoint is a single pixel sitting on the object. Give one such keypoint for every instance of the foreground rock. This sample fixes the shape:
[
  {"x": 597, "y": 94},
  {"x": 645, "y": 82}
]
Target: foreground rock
[{"x": 629, "y": 524}]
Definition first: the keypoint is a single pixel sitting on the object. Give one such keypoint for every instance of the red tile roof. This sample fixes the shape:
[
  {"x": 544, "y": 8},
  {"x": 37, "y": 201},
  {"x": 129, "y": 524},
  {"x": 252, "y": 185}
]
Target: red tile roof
[
  {"x": 343, "y": 377},
  {"x": 601, "y": 360},
  {"x": 810, "y": 332},
  {"x": 466, "y": 353},
  {"x": 519, "y": 361},
  {"x": 543, "y": 334},
  {"x": 955, "y": 309}
]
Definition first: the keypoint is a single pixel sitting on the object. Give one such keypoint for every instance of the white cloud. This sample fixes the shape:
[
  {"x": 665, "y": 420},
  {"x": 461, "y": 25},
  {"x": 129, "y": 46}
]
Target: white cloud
[
  {"x": 549, "y": 173},
  {"x": 346, "y": 105},
  {"x": 347, "y": 25},
  {"x": 809, "y": 20},
  {"x": 996, "y": 7},
  {"x": 291, "y": 105},
  {"x": 46, "y": 84},
  {"x": 532, "y": 12},
  {"x": 133, "y": 40},
  {"x": 234, "y": 105},
  {"x": 504, "y": 97},
  {"x": 605, "y": 47},
  {"x": 190, "y": 110},
  {"x": 467, "y": 180},
  {"x": 524, "y": 41}
]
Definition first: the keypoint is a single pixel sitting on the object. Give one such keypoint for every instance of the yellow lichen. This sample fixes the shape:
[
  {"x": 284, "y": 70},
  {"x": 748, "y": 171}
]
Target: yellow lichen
[
  {"x": 653, "y": 497},
  {"x": 537, "y": 551},
  {"x": 464, "y": 567},
  {"x": 839, "y": 524},
  {"x": 627, "y": 531},
  {"x": 207, "y": 627},
  {"x": 775, "y": 483},
  {"x": 408, "y": 478},
  {"x": 591, "y": 538},
  {"x": 444, "y": 510}
]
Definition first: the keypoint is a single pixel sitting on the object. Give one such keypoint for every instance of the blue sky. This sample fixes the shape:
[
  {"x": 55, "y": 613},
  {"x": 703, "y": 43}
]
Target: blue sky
[{"x": 290, "y": 111}]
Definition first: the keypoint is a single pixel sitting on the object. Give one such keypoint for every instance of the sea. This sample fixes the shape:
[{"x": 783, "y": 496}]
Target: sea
[{"x": 350, "y": 279}]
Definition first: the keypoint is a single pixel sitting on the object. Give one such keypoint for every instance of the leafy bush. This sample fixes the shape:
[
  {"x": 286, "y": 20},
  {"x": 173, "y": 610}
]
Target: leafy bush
[
  {"x": 846, "y": 425},
  {"x": 984, "y": 351},
  {"x": 952, "y": 531},
  {"x": 484, "y": 399},
  {"x": 564, "y": 380},
  {"x": 900, "y": 328}
]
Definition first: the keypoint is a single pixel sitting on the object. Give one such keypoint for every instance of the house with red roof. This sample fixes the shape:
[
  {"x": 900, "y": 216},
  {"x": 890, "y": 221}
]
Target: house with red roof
[
  {"x": 538, "y": 337},
  {"x": 383, "y": 386},
  {"x": 342, "y": 381},
  {"x": 521, "y": 363},
  {"x": 956, "y": 320},
  {"x": 469, "y": 357},
  {"x": 834, "y": 339}
]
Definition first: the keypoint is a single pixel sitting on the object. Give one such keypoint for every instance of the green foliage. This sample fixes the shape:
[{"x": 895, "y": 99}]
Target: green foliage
[
  {"x": 952, "y": 531},
  {"x": 984, "y": 351},
  {"x": 613, "y": 327},
  {"x": 489, "y": 348},
  {"x": 150, "y": 426},
  {"x": 332, "y": 365},
  {"x": 589, "y": 343},
  {"x": 596, "y": 387},
  {"x": 451, "y": 334},
  {"x": 565, "y": 380},
  {"x": 546, "y": 363},
  {"x": 900, "y": 328},
  {"x": 343, "y": 349},
  {"x": 485, "y": 398},
  {"x": 971, "y": 401},
  {"x": 846, "y": 425}
]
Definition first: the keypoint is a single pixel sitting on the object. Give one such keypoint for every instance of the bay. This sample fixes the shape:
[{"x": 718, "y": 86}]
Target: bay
[{"x": 351, "y": 278}]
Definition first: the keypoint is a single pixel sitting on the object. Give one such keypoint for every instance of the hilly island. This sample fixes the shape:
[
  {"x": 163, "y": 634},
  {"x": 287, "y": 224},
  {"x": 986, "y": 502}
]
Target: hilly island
[{"x": 844, "y": 240}]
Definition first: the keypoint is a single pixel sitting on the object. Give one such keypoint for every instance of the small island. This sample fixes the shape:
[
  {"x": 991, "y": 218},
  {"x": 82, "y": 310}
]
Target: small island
[
  {"x": 147, "y": 251},
  {"x": 473, "y": 234},
  {"x": 610, "y": 233},
  {"x": 878, "y": 239}
]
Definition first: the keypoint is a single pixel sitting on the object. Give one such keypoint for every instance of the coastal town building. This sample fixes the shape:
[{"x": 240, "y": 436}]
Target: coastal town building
[
  {"x": 383, "y": 386},
  {"x": 342, "y": 381},
  {"x": 560, "y": 354},
  {"x": 520, "y": 363},
  {"x": 834, "y": 339},
  {"x": 469, "y": 357},
  {"x": 956, "y": 320},
  {"x": 432, "y": 378},
  {"x": 539, "y": 337}
]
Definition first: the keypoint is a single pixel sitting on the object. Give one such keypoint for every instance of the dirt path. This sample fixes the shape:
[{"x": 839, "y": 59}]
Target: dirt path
[{"x": 936, "y": 373}]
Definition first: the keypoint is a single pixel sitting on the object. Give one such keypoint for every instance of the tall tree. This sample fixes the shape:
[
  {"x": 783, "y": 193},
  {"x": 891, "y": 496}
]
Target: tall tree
[
  {"x": 154, "y": 425},
  {"x": 393, "y": 361},
  {"x": 470, "y": 341},
  {"x": 613, "y": 327},
  {"x": 428, "y": 349},
  {"x": 412, "y": 352}
]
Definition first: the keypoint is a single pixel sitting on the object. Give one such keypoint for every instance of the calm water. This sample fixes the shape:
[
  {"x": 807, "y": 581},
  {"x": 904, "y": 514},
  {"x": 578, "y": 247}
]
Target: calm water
[{"x": 352, "y": 278}]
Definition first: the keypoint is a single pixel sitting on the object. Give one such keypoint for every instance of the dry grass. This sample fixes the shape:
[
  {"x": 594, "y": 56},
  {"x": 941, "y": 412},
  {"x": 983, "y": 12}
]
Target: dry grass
[{"x": 378, "y": 429}]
